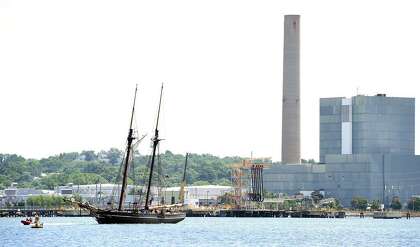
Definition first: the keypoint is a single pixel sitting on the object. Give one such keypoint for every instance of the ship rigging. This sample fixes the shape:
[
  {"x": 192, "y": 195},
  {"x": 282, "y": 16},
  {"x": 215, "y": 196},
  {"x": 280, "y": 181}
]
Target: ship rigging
[{"x": 148, "y": 214}]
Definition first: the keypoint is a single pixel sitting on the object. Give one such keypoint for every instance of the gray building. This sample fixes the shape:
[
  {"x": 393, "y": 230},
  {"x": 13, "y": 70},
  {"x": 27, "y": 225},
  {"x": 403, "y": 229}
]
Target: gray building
[
  {"x": 366, "y": 125},
  {"x": 13, "y": 196},
  {"x": 366, "y": 149}
]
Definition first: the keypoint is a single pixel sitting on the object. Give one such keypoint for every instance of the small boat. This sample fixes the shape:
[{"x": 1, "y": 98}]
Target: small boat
[
  {"x": 26, "y": 221},
  {"x": 37, "y": 224},
  {"x": 387, "y": 215}
]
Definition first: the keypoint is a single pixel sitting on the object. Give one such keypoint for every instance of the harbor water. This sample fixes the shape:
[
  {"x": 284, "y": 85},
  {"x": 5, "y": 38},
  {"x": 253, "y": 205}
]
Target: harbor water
[{"x": 84, "y": 231}]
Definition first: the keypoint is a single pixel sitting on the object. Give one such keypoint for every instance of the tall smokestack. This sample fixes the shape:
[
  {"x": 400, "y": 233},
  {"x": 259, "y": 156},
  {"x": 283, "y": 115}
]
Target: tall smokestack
[{"x": 291, "y": 91}]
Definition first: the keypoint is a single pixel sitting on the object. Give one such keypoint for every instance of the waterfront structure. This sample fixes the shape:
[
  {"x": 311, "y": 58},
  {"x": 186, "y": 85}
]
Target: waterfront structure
[
  {"x": 196, "y": 196},
  {"x": 291, "y": 90},
  {"x": 92, "y": 193},
  {"x": 366, "y": 149},
  {"x": 14, "y": 196},
  {"x": 101, "y": 194},
  {"x": 87, "y": 191}
]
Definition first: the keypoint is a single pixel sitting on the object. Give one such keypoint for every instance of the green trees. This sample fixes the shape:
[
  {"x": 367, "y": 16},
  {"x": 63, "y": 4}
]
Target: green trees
[
  {"x": 68, "y": 156},
  {"x": 88, "y": 155},
  {"x": 375, "y": 205},
  {"x": 268, "y": 194},
  {"x": 45, "y": 201},
  {"x": 289, "y": 204},
  {"x": 114, "y": 156},
  {"x": 395, "y": 203},
  {"x": 4, "y": 181},
  {"x": 334, "y": 205},
  {"x": 88, "y": 167},
  {"x": 360, "y": 203},
  {"x": 13, "y": 168},
  {"x": 414, "y": 204},
  {"x": 202, "y": 168},
  {"x": 316, "y": 196}
]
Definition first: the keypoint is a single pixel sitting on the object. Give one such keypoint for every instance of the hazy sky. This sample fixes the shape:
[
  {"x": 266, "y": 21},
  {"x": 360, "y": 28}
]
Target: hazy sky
[{"x": 68, "y": 70}]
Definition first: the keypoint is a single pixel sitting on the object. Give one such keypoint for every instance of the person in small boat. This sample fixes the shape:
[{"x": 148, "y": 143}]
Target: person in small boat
[
  {"x": 36, "y": 219},
  {"x": 37, "y": 223}
]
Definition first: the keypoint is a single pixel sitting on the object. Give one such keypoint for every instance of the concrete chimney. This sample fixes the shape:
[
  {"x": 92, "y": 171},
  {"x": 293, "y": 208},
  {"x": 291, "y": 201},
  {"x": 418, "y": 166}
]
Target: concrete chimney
[{"x": 291, "y": 91}]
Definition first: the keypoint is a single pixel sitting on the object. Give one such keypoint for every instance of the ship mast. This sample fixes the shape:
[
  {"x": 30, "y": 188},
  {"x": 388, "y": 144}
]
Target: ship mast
[
  {"x": 183, "y": 182},
  {"x": 155, "y": 141},
  {"x": 130, "y": 139}
]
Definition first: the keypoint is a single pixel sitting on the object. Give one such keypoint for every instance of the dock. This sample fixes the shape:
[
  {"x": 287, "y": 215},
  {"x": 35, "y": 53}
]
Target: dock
[
  {"x": 43, "y": 212},
  {"x": 264, "y": 213},
  {"x": 387, "y": 215}
]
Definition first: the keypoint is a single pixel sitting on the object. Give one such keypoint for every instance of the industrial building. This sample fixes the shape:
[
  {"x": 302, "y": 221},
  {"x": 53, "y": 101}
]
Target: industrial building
[
  {"x": 196, "y": 196},
  {"x": 366, "y": 125},
  {"x": 366, "y": 149},
  {"x": 366, "y": 142},
  {"x": 14, "y": 196},
  {"x": 100, "y": 194}
]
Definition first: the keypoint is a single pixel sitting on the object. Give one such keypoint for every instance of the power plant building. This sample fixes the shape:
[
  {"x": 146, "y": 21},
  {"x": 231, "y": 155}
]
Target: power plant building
[
  {"x": 366, "y": 142},
  {"x": 366, "y": 125},
  {"x": 366, "y": 149}
]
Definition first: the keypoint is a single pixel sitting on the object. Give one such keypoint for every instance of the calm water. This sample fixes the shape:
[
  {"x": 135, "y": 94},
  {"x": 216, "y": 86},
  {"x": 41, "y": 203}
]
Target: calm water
[{"x": 215, "y": 232}]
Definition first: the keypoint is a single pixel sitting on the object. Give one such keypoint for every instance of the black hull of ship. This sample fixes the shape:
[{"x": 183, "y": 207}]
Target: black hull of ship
[{"x": 118, "y": 217}]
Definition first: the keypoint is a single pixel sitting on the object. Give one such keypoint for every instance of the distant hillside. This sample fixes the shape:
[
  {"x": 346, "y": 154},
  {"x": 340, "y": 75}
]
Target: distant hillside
[{"x": 89, "y": 167}]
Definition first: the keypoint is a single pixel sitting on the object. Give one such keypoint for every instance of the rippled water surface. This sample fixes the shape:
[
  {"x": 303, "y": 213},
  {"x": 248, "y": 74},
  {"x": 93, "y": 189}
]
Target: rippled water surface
[{"x": 215, "y": 232}]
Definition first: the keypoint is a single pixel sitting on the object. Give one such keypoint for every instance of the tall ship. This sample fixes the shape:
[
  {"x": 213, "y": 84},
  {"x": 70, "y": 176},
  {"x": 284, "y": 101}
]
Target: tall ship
[{"x": 146, "y": 214}]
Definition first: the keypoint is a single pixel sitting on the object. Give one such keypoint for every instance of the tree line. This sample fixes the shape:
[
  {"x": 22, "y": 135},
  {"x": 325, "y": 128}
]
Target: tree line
[
  {"x": 89, "y": 167},
  {"x": 361, "y": 203}
]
